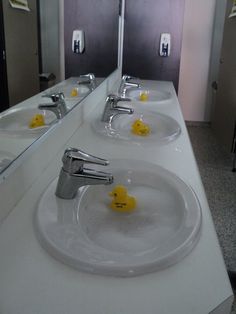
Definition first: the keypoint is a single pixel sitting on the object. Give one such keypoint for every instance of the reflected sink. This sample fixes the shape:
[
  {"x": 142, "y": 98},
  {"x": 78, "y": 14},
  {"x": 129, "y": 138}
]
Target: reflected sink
[
  {"x": 163, "y": 129},
  {"x": 15, "y": 121},
  {"x": 152, "y": 95},
  {"x": 72, "y": 91},
  {"x": 86, "y": 234}
]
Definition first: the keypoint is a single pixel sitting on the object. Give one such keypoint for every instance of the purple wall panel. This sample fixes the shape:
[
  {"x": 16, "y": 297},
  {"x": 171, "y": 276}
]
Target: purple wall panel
[
  {"x": 99, "y": 20},
  {"x": 145, "y": 20}
]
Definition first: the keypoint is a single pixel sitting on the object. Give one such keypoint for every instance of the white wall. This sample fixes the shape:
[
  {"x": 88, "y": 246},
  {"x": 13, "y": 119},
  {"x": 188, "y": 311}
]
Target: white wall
[{"x": 195, "y": 58}]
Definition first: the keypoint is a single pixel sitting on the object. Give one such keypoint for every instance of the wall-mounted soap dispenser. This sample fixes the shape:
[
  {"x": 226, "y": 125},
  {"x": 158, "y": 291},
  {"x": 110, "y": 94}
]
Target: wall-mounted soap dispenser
[
  {"x": 78, "y": 44},
  {"x": 165, "y": 45}
]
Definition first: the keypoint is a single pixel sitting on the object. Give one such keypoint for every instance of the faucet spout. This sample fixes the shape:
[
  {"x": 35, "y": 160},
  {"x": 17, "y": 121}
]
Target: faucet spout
[
  {"x": 56, "y": 108},
  {"x": 93, "y": 177},
  {"x": 124, "y": 110},
  {"x": 119, "y": 110},
  {"x": 68, "y": 184}
]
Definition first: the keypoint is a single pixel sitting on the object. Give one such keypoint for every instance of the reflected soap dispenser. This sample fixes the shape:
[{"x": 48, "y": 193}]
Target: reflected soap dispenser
[
  {"x": 78, "y": 44},
  {"x": 165, "y": 45}
]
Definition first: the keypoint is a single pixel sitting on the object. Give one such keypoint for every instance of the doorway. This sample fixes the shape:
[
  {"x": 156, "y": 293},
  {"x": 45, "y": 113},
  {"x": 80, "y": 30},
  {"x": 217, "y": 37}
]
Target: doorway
[{"x": 19, "y": 35}]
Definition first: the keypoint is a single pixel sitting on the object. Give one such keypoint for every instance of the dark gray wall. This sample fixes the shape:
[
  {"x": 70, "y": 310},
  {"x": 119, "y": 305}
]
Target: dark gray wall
[
  {"x": 99, "y": 20},
  {"x": 145, "y": 20}
]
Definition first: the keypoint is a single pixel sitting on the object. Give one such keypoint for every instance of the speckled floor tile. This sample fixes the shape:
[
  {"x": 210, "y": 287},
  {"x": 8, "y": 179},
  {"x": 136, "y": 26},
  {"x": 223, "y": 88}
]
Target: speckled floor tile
[
  {"x": 207, "y": 150},
  {"x": 220, "y": 187},
  {"x": 215, "y": 165}
]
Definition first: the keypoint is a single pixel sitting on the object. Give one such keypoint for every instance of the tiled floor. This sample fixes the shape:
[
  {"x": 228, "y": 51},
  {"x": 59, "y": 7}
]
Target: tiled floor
[{"x": 215, "y": 166}]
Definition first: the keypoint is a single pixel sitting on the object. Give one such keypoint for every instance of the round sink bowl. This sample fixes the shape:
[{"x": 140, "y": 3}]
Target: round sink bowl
[
  {"x": 86, "y": 234},
  {"x": 16, "y": 121},
  {"x": 163, "y": 129},
  {"x": 151, "y": 95}
]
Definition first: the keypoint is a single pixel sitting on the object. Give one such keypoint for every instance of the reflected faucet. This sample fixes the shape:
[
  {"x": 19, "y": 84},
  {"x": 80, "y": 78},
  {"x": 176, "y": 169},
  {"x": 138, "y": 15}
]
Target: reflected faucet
[
  {"x": 125, "y": 83},
  {"x": 111, "y": 109},
  {"x": 58, "y": 106},
  {"x": 88, "y": 79},
  {"x": 73, "y": 175}
]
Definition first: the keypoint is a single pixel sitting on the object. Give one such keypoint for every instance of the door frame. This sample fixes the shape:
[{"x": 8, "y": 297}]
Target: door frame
[{"x": 4, "y": 96}]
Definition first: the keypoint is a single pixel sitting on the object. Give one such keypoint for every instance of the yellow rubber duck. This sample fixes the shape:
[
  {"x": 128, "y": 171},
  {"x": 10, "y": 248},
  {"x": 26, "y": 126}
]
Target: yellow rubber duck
[
  {"x": 122, "y": 202},
  {"x": 140, "y": 128},
  {"x": 36, "y": 121}
]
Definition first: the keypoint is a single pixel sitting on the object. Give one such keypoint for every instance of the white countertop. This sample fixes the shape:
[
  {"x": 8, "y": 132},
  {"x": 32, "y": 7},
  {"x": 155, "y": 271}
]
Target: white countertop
[{"x": 31, "y": 281}]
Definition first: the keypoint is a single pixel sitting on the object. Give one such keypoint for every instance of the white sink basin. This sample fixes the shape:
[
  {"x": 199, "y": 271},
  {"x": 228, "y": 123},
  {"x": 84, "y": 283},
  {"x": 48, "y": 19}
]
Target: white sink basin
[
  {"x": 16, "y": 121},
  {"x": 152, "y": 95},
  {"x": 163, "y": 129},
  {"x": 86, "y": 234}
]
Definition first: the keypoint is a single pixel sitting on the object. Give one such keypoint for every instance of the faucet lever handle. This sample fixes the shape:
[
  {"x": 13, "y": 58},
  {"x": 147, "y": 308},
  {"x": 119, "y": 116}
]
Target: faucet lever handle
[
  {"x": 115, "y": 99},
  {"x": 74, "y": 160},
  {"x": 126, "y": 77},
  {"x": 90, "y": 76},
  {"x": 55, "y": 96}
]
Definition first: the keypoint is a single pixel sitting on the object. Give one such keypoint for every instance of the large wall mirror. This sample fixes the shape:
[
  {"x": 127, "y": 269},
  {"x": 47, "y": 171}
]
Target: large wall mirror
[{"x": 37, "y": 54}]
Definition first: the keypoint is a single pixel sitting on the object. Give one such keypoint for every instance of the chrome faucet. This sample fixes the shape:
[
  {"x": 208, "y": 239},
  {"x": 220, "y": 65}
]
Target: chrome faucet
[
  {"x": 58, "y": 106},
  {"x": 88, "y": 79},
  {"x": 73, "y": 175},
  {"x": 111, "y": 109},
  {"x": 125, "y": 83}
]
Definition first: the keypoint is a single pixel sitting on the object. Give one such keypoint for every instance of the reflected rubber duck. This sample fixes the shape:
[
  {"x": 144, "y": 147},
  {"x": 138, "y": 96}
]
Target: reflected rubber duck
[
  {"x": 36, "y": 121},
  {"x": 74, "y": 92},
  {"x": 144, "y": 96},
  {"x": 122, "y": 202}
]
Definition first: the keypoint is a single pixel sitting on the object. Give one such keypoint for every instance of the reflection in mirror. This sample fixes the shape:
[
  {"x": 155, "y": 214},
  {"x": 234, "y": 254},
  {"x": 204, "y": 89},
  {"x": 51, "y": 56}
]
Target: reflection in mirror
[
  {"x": 37, "y": 56},
  {"x": 100, "y": 36}
]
